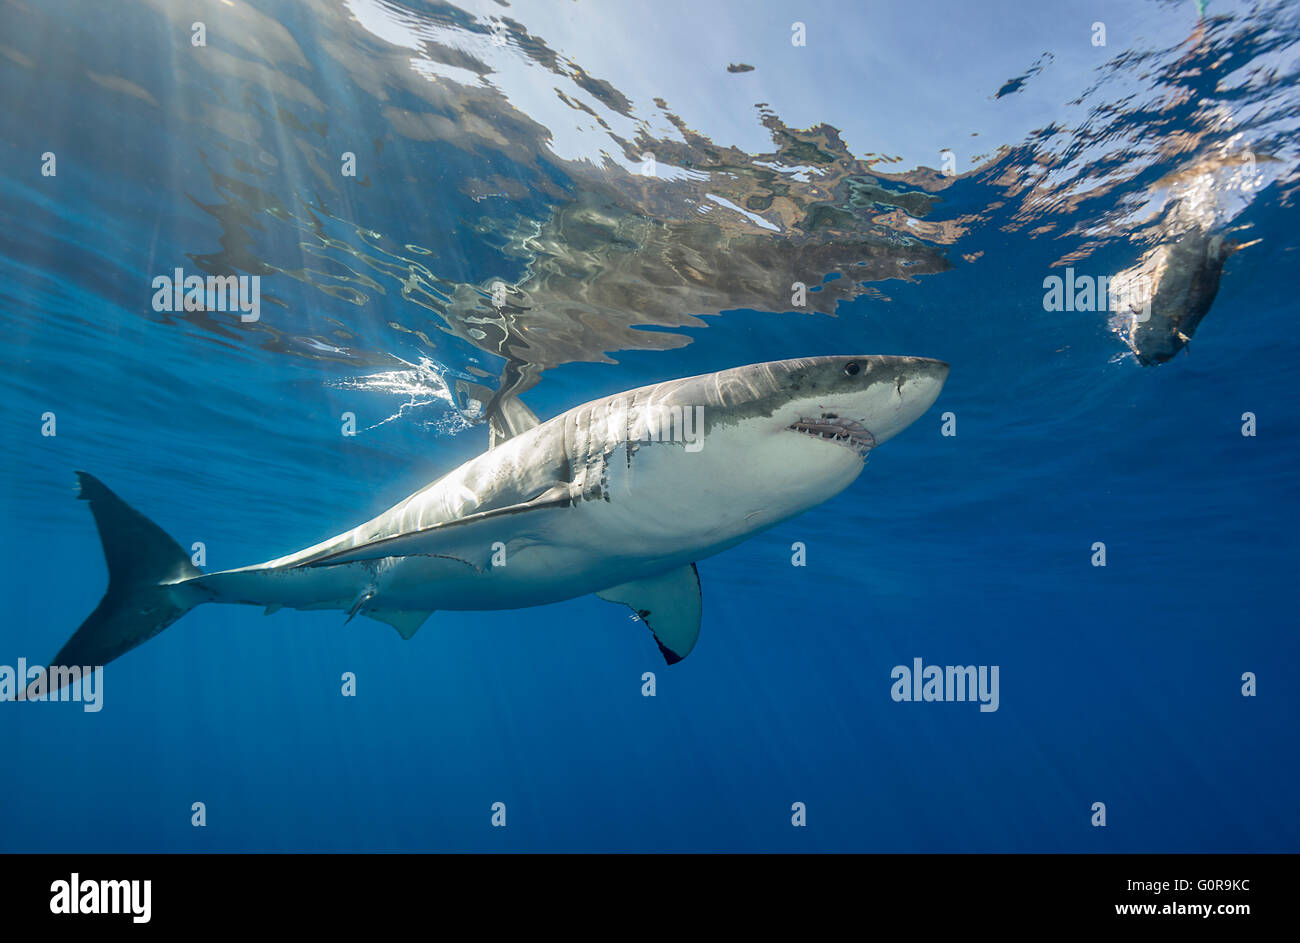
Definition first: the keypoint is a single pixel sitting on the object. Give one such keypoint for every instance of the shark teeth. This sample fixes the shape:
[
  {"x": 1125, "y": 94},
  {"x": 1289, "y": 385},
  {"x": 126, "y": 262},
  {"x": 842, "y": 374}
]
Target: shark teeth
[{"x": 845, "y": 432}]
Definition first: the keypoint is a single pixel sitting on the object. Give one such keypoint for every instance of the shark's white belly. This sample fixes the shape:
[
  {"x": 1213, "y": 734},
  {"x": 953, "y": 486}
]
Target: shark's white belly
[{"x": 662, "y": 507}]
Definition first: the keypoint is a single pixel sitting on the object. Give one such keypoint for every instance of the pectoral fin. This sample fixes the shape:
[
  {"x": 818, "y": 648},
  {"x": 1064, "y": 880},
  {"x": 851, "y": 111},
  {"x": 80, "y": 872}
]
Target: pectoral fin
[
  {"x": 669, "y": 604},
  {"x": 433, "y": 541}
]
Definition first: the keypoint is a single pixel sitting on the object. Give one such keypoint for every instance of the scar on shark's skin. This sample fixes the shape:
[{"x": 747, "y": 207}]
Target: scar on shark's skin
[{"x": 566, "y": 516}]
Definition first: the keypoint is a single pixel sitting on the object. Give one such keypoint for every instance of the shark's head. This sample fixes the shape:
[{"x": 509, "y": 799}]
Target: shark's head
[
  {"x": 785, "y": 435},
  {"x": 855, "y": 403},
  {"x": 849, "y": 402},
  {"x": 759, "y": 444}
]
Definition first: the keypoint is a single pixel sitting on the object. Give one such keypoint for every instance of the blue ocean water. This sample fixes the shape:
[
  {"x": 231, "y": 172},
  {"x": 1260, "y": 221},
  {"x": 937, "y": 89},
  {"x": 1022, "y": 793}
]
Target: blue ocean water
[{"x": 1119, "y": 684}]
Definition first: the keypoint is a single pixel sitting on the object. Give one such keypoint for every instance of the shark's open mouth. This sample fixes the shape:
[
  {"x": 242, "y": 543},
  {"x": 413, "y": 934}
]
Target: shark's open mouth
[{"x": 846, "y": 432}]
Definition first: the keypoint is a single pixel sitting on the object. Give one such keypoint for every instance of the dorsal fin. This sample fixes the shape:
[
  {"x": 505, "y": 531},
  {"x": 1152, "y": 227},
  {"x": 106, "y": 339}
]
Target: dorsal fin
[
  {"x": 508, "y": 418},
  {"x": 507, "y": 415}
]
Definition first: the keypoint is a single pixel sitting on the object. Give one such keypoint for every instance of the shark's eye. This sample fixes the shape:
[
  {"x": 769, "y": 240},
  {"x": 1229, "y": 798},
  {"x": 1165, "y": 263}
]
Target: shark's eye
[{"x": 851, "y": 368}]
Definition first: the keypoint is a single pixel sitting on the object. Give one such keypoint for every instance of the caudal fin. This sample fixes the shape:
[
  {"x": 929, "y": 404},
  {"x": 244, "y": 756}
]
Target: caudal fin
[{"x": 140, "y": 603}]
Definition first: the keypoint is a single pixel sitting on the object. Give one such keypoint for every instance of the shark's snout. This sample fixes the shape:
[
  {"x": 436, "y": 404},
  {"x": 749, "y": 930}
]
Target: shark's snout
[{"x": 916, "y": 384}]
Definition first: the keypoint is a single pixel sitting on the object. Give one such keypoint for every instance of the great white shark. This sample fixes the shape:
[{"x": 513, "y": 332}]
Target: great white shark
[{"x": 618, "y": 497}]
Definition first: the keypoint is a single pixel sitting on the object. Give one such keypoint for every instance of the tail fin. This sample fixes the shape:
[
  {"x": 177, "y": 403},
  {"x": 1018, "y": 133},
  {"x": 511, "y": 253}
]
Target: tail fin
[{"x": 140, "y": 603}]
